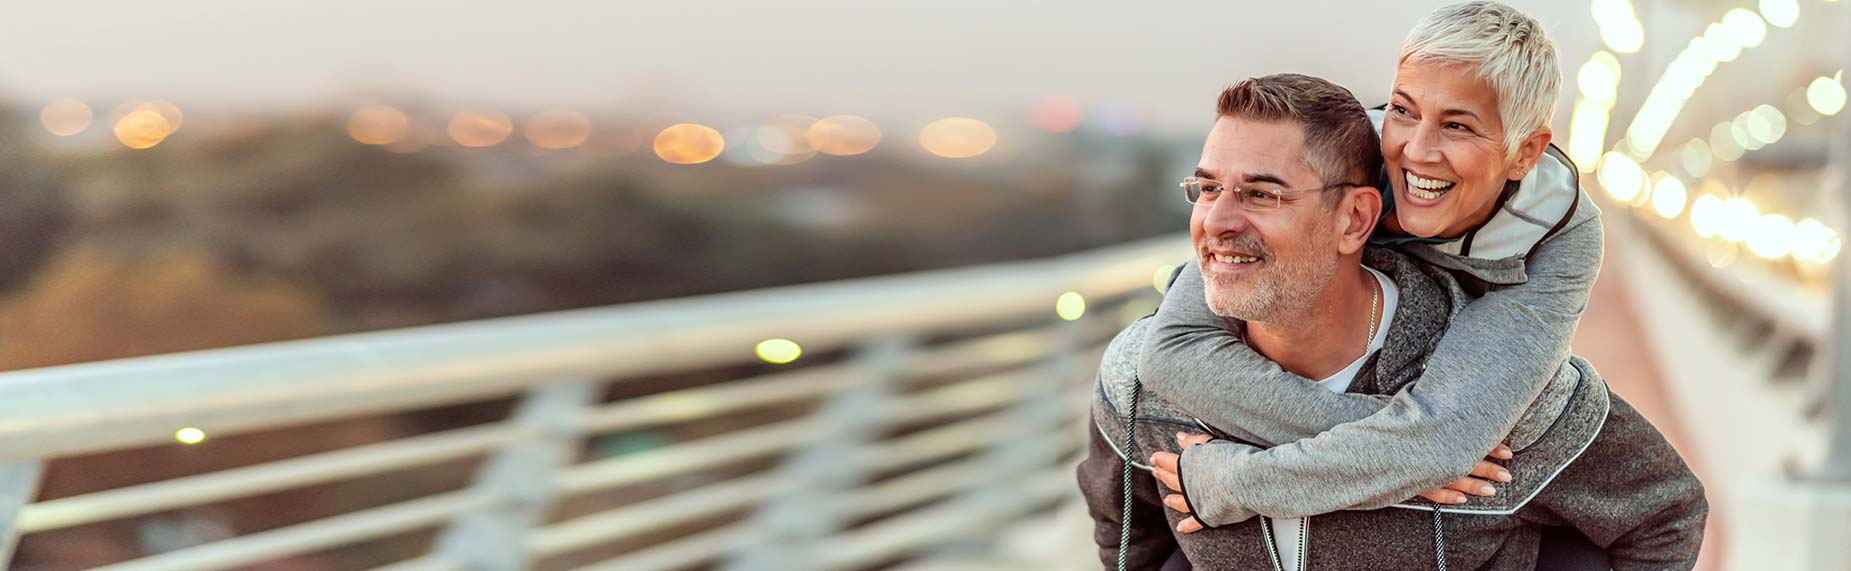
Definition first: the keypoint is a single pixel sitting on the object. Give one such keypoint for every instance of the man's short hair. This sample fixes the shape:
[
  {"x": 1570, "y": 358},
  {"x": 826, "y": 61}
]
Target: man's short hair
[
  {"x": 1340, "y": 143},
  {"x": 1503, "y": 47}
]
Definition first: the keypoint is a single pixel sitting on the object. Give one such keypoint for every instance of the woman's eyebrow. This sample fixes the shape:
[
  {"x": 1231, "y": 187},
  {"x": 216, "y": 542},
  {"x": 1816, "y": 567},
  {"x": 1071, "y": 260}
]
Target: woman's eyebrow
[
  {"x": 1460, "y": 112},
  {"x": 1443, "y": 112}
]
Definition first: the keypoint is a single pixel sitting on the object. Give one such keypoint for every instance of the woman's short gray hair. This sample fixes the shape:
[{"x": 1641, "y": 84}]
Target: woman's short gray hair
[{"x": 1505, "y": 48}]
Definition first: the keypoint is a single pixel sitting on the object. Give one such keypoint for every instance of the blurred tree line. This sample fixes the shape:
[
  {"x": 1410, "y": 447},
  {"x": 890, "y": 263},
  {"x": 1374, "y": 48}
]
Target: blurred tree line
[{"x": 290, "y": 229}]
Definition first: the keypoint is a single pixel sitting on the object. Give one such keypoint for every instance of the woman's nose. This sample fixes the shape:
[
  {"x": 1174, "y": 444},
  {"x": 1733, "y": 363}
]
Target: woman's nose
[{"x": 1423, "y": 146}]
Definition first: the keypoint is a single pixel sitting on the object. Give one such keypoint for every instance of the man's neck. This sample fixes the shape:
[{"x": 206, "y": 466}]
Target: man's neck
[{"x": 1328, "y": 337}]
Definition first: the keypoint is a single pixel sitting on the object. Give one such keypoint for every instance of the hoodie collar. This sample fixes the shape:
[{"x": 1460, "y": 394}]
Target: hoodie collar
[{"x": 1428, "y": 302}]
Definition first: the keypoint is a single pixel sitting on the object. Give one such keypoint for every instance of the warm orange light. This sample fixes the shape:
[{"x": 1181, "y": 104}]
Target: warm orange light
[
  {"x": 689, "y": 143},
  {"x": 557, "y": 129},
  {"x": 480, "y": 128},
  {"x": 844, "y": 135},
  {"x": 169, "y": 113},
  {"x": 957, "y": 137},
  {"x": 378, "y": 125},
  {"x": 142, "y": 128},
  {"x": 66, "y": 117}
]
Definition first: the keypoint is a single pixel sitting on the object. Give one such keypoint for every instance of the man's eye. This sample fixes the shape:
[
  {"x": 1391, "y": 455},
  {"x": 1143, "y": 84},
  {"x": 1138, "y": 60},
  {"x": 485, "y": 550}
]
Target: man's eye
[
  {"x": 1398, "y": 110},
  {"x": 1255, "y": 194},
  {"x": 1210, "y": 189}
]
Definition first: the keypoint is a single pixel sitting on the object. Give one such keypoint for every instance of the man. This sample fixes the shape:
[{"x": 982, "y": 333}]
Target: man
[{"x": 1284, "y": 176}]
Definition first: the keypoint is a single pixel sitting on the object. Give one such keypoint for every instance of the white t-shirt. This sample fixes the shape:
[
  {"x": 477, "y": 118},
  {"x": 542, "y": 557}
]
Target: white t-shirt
[{"x": 1286, "y": 531}]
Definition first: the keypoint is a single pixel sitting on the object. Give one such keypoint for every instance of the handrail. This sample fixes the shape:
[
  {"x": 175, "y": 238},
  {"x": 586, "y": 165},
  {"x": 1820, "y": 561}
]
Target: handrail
[
  {"x": 1789, "y": 308},
  {"x": 942, "y": 370},
  {"x": 114, "y": 404}
]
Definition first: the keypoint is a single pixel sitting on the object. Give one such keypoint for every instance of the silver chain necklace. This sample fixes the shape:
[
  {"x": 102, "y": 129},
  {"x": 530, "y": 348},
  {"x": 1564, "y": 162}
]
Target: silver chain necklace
[{"x": 1375, "y": 305}]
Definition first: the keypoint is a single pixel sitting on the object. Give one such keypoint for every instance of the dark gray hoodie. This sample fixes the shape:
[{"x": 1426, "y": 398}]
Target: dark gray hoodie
[{"x": 1596, "y": 466}]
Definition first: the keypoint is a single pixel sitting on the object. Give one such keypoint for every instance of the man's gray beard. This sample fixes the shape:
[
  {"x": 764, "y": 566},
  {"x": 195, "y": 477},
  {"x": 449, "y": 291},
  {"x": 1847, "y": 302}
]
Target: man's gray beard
[{"x": 1281, "y": 293}]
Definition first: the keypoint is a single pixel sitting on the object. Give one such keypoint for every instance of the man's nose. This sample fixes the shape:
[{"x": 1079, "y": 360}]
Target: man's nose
[{"x": 1225, "y": 216}]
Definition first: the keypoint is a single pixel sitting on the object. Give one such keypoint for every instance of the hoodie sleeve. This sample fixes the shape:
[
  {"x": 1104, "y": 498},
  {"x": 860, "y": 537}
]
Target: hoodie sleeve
[
  {"x": 1101, "y": 484},
  {"x": 1191, "y": 356},
  {"x": 1366, "y": 452},
  {"x": 1631, "y": 494}
]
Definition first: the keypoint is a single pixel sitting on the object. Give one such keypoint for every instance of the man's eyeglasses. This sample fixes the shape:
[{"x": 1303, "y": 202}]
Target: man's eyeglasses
[{"x": 1258, "y": 196}]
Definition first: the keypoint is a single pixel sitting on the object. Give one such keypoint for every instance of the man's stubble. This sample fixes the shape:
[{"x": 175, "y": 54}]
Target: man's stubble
[{"x": 1280, "y": 292}]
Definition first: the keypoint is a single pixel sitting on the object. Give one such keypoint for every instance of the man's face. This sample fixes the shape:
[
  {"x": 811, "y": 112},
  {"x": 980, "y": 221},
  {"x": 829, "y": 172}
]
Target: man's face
[{"x": 1262, "y": 265}]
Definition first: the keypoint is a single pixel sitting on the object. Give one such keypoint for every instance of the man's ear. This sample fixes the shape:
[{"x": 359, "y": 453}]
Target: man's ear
[
  {"x": 1529, "y": 150},
  {"x": 1360, "y": 209}
]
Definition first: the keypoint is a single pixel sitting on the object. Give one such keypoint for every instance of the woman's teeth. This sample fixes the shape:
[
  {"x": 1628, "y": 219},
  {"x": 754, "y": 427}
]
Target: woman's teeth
[
  {"x": 1426, "y": 188},
  {"x": 1236, "y": 259}
]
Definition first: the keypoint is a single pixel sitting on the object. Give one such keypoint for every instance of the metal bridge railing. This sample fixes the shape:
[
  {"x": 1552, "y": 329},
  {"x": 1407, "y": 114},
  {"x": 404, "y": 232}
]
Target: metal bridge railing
[{"x": 940, "y": 406}]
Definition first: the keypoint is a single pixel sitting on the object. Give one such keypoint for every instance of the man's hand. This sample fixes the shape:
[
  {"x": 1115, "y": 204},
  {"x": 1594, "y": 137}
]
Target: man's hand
[
  {"x": 1163, "y": 466},
  {"x": 1478, "y": 483}
]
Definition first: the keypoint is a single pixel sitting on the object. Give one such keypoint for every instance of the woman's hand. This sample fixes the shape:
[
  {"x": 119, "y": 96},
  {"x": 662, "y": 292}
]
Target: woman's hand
[
  {"x": 1478, "y": 483},
  {"x": 1163, "y": 467}
]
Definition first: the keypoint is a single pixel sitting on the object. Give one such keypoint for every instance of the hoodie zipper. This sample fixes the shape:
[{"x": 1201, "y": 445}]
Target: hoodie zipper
[
  {"x": 1304, "y": 537},
  {"x": 1272, "y": 546}
]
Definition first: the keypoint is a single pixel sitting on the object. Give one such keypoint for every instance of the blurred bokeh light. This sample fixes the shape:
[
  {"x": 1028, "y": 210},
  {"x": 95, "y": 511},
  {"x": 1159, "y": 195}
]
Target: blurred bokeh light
[
  {"x": 557, "y": 129},
  {"x": 1057, "y": 114},
  {"x": 480, "y": 128},
  {"x": 957, "y": 137},
  {"x": 378, "y": 125},
  {"x": 65, "y": 117},
  {"x": 844, "y": 135},
  {"x": 689, "y": 144},
  {"x": 142, "y": 129}
]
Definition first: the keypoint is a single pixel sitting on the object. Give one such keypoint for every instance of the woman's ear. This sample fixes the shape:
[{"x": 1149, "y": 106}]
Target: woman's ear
[
  {"x": 1529, "y": 150},
  {"x": 1360, "y": 209}
]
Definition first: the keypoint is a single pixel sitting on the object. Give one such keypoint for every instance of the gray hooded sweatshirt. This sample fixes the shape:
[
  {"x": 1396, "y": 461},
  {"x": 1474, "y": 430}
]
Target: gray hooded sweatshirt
[
  {"x": 1596, "y": 466},
  {"x": 1499, "y": 373}
]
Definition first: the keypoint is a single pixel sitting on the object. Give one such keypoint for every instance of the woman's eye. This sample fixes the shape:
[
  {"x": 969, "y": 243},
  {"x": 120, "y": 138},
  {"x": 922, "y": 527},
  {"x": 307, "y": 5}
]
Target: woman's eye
[
  {"x": 1458, "y": 127},
  {"x": 1398, "y": 110}
]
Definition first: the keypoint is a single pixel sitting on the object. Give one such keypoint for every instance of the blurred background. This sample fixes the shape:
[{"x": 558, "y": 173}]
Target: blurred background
[{"x": 813, "y": 284}]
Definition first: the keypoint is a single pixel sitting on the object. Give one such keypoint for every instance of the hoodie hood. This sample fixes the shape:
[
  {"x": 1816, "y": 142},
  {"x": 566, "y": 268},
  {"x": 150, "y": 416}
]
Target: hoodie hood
[{"x": 1547, "y": 202}]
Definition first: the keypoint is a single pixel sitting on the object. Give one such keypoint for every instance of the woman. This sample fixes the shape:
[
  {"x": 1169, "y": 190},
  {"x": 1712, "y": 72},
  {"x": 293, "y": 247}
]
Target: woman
[{"x": 1476, "y": 189}]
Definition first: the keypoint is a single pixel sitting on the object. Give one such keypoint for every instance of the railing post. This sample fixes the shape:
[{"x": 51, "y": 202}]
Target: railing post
[
  {"x": 521, "y": 475},
  {"x": 1831, "y": 493},
  {"x": 19, "y": 484},
  {"x": 1033, "y": 426},
  {"x": 809, "y": 510},
  {"x": 1838, "y": 459}
]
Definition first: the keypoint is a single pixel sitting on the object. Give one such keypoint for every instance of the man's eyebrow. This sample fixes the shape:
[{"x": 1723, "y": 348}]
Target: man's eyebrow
[
  {"x": 1203, "y": 173},
  {"x": 1263, "y": 177}
]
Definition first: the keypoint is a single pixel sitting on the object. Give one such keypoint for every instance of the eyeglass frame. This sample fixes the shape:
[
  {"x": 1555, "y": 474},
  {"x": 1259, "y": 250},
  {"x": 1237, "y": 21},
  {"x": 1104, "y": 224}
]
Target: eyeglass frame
[{"x": 1278, "y": 197}]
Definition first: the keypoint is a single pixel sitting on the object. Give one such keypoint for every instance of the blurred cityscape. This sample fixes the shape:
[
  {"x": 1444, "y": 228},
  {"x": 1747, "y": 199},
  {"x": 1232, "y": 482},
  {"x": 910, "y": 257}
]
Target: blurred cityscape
[{"x": 848, "y": 159}]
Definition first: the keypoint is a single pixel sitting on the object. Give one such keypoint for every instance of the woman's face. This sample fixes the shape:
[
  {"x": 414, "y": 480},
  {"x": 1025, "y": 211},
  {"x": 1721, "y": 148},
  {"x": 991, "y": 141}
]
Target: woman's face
[{"x": 1443, "y": 144}]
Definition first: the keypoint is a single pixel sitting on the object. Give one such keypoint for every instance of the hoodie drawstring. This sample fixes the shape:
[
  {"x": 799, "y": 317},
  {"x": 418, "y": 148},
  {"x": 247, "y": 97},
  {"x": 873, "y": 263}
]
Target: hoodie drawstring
[
  {"x": 1124, "y": 523},
  {"x": 1439, "y": 540}
]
